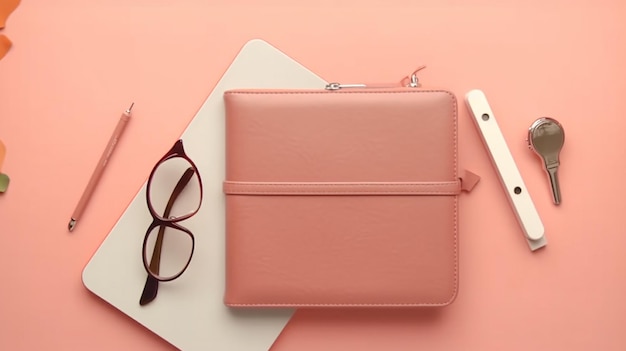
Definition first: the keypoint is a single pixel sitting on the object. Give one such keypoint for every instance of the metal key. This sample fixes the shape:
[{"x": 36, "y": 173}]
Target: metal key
[{"x": 546, "y": 137}]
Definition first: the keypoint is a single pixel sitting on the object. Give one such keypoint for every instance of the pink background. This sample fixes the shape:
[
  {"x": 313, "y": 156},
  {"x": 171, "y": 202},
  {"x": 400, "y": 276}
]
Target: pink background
[{"x": 75, "y": 65}]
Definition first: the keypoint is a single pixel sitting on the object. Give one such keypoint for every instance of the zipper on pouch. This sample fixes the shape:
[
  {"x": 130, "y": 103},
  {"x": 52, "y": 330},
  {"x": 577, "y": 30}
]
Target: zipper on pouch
[{"x": 410, "y": 81}]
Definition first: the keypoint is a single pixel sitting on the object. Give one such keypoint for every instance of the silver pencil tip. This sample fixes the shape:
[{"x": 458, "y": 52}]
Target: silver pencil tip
[{"x": 71, "y": 225}]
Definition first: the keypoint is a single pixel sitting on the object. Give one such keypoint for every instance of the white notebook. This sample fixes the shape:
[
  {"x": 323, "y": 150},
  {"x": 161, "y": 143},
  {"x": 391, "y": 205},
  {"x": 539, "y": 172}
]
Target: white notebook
[{"x": 189, "y": 312}]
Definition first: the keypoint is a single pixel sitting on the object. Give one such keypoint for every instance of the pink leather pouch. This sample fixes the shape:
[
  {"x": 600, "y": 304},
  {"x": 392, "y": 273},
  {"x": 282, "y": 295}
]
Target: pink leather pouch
[{"x": 342, "y": 198}]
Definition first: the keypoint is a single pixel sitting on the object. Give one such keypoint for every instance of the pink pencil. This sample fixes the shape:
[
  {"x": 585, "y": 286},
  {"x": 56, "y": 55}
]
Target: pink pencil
[{"x": 97, "y": 173}]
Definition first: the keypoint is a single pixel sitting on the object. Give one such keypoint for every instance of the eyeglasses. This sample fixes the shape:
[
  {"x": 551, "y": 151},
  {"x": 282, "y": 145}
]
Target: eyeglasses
[{"x": 167, "y": 245}]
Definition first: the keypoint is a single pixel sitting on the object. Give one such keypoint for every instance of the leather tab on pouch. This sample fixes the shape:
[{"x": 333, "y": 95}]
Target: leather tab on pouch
[{"x": 469, "y": 180}]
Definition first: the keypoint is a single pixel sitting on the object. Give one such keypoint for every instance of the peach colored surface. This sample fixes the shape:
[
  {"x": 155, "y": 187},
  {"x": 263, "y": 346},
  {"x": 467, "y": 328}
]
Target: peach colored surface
[
  {"x": 3, "y": 151},
  {"x": 76, "y": 65}
]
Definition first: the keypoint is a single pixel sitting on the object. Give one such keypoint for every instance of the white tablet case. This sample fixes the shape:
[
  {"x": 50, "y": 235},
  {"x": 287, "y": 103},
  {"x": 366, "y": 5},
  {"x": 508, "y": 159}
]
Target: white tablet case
[{"x": 189, "y": 312}]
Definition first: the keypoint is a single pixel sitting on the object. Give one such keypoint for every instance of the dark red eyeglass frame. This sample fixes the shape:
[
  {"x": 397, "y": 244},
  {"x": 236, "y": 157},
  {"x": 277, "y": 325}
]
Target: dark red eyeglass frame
[{"x": 163, "y": 221}]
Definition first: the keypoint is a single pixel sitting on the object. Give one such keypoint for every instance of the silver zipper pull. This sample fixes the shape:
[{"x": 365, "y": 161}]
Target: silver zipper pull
[
  {"x": 410, "y": 81},
  {"x": 413, "y": 81},
  {"x": 337, "y": 86}
]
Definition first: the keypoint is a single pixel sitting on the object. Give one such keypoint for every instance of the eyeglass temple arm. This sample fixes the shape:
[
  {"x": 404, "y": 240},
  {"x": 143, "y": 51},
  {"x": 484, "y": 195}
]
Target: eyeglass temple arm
[{"x": 155, "y": 261}]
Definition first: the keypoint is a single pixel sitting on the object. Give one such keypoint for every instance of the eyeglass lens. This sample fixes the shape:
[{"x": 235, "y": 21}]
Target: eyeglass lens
[{"x": 164, "y": 180}]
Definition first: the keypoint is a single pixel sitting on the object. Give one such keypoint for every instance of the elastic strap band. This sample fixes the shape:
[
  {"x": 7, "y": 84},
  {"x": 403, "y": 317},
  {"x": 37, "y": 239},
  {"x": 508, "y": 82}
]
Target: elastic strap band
[{"x": 342, "y": 188}]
